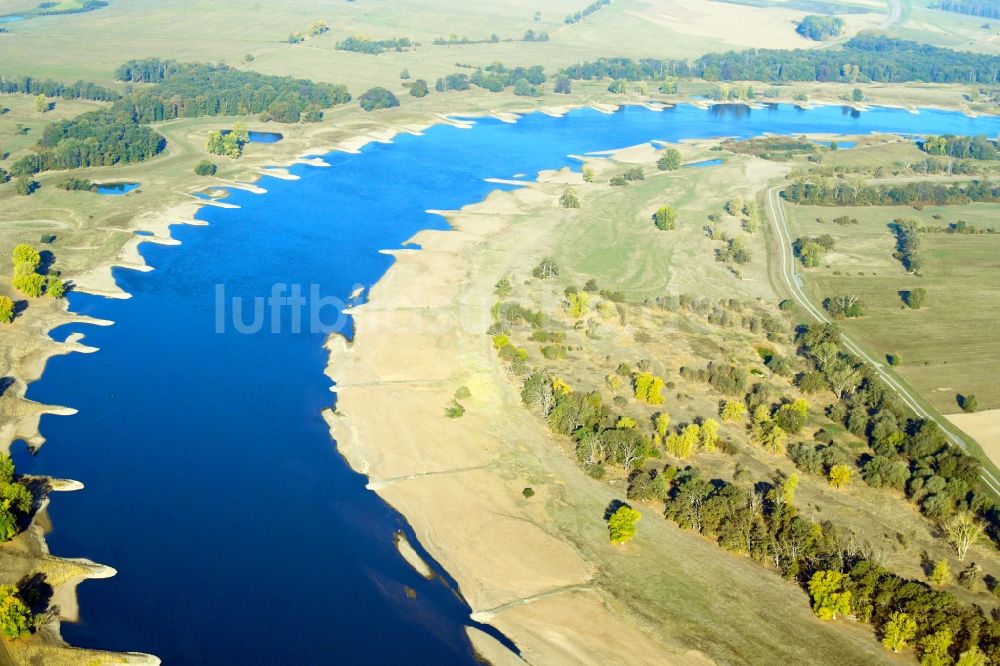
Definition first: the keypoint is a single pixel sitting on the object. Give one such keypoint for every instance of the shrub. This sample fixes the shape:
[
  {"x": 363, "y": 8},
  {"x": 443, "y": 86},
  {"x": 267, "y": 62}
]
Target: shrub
[
  {"x": 377, "y": 98},
  {"x": 6, "y": 310},
  {"x": 205, "y": 168}
]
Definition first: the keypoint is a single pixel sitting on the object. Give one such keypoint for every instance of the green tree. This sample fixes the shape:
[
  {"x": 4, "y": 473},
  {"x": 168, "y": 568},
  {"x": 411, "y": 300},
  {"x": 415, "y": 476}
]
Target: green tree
[
  {"x": 934, "y": 648},
  {"x": 622, "y": 524},
  {"x": 503, "y": 287},
  {"x": 972, "y": 657},
  {"x": 792, "y": 417},
  {"x": 898, "y": 631},
  {"x": 588, "y": 175},
  {"x": 665, "y": 218},
  {"x": 28, "y": 282},
  {"x": 523, "y": 88},
  {"x": 941, "y": 574},
  {"x": 969, "y": 403},
  {"x": 649, "y": 388},
  {"x": 41, "y": 104},
  {"x": 578, "y": 304},
  {"x": 15, "y": 616},
  {"x": 915, "y": 298},
  {"x": 857, "y": 95},
  {"x": 377, "y": 98},
  {"x": 617, "y": 87},
  {"x": 25, "y": 186},
  {"x": 828, "y": 594},
  {"x": 6, "y": 309},
  {"x": 205, "y": 168},
  {"x": 569, "y": 199},
  {"x": 670, "y": 160},
  {"x": 710, "y": 435},
  {"x": 405, "y": 74},
  {"x": 419, "y": 88}
]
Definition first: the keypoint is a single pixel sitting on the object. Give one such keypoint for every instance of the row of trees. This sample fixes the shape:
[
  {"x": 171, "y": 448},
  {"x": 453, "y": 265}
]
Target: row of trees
[
  {"x": 973, "y": 147},
  {"x": 362, "y": 44},
  {"x": 28, "y": 85},
  {"x": 909, "y": 251},
  {"x": 825, "y": 192},
  {"x": 984, "y": 8},
  {"x": 585, "y": 12},
  {"x": 869, "y": 56}
]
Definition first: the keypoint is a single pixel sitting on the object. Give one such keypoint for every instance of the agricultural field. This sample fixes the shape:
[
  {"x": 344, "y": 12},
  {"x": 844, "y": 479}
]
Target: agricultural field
[{"x": 949, "y": 346}]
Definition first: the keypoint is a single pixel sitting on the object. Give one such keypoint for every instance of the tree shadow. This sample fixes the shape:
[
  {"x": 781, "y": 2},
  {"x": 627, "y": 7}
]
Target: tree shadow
[
  {"x": 36, "y": 592},
  {"x": 926, "y": 563},
  {"x": 47, "y": 259},
  {"x": 613, "y": 507},
  {"x": 5, "y": 383}
]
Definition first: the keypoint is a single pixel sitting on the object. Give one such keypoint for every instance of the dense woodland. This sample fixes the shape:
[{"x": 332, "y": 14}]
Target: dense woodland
[
  {"x": 970, "y": 147},
  {"x": 984, "y": 8},
  {"x": 866, "y": 57},
  {"x": 97, "y": 138},
  {"x": 195, "y": 89}
]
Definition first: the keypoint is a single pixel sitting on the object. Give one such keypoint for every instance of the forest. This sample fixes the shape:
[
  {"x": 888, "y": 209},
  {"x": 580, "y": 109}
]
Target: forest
[
  {"x": 868, "y": 56},
  {"x": 96, "y": 138},
  {"x": 195, "y": 89},
  {"x": 984, "y": 8}
]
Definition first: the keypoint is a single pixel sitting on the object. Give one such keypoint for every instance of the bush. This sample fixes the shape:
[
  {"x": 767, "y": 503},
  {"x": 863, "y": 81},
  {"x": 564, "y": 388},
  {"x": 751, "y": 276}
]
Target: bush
[
  {"x": 665, "y": 218},
  {"x": 25, "y": 186},
  {"x": 377, "y": 98},
  {"x": 6, "y": 310},
  {"x": 419, "y": 88},
  {"x": 205, "y": 168}
]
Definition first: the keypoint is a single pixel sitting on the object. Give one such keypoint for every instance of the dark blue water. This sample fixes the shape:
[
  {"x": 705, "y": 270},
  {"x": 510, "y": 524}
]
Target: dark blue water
[
  {"x": 238, "y": 533},
  {"x": 116, "y": 189},
  {"x": 265, "y": 137}
]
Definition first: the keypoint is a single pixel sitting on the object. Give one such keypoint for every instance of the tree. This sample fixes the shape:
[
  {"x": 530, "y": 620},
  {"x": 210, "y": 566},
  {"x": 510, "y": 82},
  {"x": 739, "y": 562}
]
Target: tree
[
  {"x": 840, "y": 475},
  {"x": 683, "y": 444},
  {"x": 969, "y": 403},
  {"x": 792, "y": 417},
  {"x": 318, "y": 28},
  {"x": 546, "y": 269},
  {"x": 622, "y": 524},
  {"x": 733, "y": 411},
  {"x": 41, "y": 104},
  {"x": 563, "y": 86},
  {"x": 25, "y": 186},
  {"x": 648, "y": 388},
  {"x": 857, "y": 95},
  {"x": 941, "y": 574},
  {"x": 617, "y": 87},
  {"x": 578, "y": 304},
  {"x": 709, "y": 434},
  {"x": 27, "y": 281},
  {"x": 523, "y": 88},
  {"x": 970, "y": 575},
  {"x": 205, "y": 168},
  {"x": 962, "y": 532},
  {"x": 25, "y": 254},
  {"x": 588, "y": 175},
  {"x": 377, "y": 98},
  {"x": 405, "y": 74},
  {"x": 665, "y": 218},
  {"x": 829, "y": 595},
  {"x": 55, "y": 287},
  {"x": 569, "y": 199},
  {"x": 898, "y": 631},
  {"x": 934, "y": 648},
  {"x": 419, "y": 88},
  {"x": 788, "y": 487},
  {"x": 971, "y": 657},
  {"x": 15, "y": 616},
  {"x": 503, "y": 287},
  {"x": 670, "y": 161},
  {"x": 915, "y": 297},
  {"x": 6, "y": 309}
]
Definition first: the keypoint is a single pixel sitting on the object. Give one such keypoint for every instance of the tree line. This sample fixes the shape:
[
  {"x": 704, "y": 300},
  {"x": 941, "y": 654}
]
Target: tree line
[
  {"x": 868, "y": 56},
  {"x": 373, "y": 46},
  {"x": 27, "y": 85},
  {"x": 824, "y": 192},
  {"x": 585, "y": 12},
  {"x": 984, "y": 8},
  {"x": 972, "y": 147}
]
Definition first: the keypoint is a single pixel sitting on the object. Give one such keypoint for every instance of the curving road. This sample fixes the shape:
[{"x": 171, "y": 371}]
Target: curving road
[
  {"x": 895, "y": 13},
  {"x": 793, "y": 282}
]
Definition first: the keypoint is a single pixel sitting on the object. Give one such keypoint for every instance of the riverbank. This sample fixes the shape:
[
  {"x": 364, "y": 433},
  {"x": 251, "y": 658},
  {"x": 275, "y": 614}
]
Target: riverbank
[
  {"x": 99, "y": 280},
  {"x": 538, "y": 566}
]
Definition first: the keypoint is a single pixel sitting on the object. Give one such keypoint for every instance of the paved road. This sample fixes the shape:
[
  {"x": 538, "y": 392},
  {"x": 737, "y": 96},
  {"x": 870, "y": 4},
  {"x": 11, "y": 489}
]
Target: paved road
[
  {"x": 793, "y": 282},
  {"x": 895, "y": 13}
]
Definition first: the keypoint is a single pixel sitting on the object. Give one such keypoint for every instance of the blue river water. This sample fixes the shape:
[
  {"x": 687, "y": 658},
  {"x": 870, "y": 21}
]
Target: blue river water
[{"x": 238, "y": 533}]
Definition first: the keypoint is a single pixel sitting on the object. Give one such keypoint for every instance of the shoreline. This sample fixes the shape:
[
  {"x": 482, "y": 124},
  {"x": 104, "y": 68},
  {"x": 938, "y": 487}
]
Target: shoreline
[{"x": 100, "y": 281}]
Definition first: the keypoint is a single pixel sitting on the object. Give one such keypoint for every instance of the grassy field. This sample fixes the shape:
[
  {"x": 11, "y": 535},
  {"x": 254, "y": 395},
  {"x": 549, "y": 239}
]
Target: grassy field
[{"x": 950, "y": 345}]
